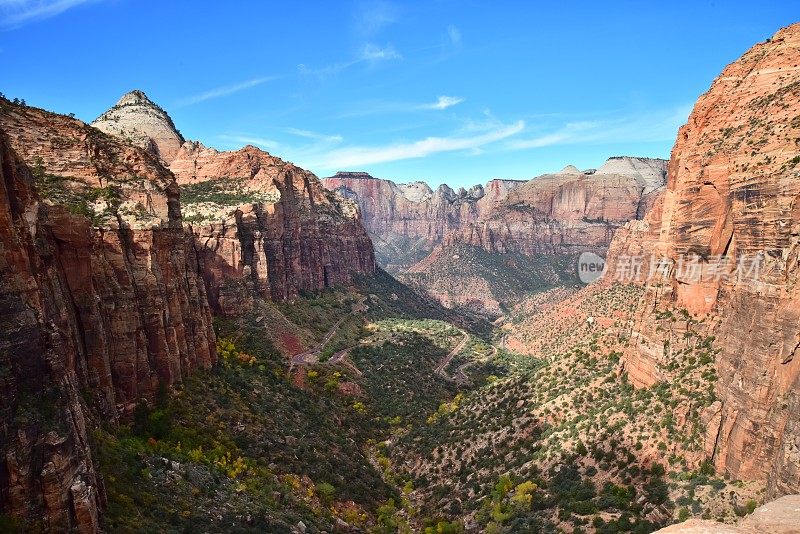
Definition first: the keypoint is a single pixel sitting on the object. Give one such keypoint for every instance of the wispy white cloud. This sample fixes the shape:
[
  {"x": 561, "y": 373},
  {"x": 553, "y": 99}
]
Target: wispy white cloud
[
  {"x": 315, "y": 135},
  {"x": 368, "y": 54},
  {"x": 356, "y": 156},
  {"x": 224, "y": 91},
  {"x": 16, "y": 13},
  {"x": 372, "y": 17},
  {"x": 379, "y": 107},
  {"x": 570, "y": 132},
  {"x": 454, "y": 34},
  {"x": 653, "y": 126},
  {"x": 373, "y": 52},
  {"x": 443, "y": 102}
]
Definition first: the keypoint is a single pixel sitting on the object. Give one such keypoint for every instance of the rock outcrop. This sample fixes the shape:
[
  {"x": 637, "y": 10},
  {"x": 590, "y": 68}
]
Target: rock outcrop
[
  {"x": 569, "y": 211},
  {"x": 265, "y": 227},
  {"x": 262, "y": 227},
  {"x": 138, "y": 120},
  {"x": 406, "y": 221},
  {"x": 100, "y": 305},
  {"x": 728, "y": 227},
  {"x": 781, "y": 516}
]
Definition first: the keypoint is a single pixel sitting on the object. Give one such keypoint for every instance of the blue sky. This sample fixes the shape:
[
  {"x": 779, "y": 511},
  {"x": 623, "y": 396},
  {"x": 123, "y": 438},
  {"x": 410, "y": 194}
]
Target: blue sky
[{"x": 443, "y": 91}]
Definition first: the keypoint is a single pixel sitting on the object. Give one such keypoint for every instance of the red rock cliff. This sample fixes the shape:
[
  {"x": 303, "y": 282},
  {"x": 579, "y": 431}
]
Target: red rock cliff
[
  {"x": 568, "y": 211},
  {"x": 100, "y": 305},
  {"x": 266, "y": 227},
  {"x": 263, "y": 227},
  {"x": 406, "y": 221},
  {"x": 734, "y": 192}
]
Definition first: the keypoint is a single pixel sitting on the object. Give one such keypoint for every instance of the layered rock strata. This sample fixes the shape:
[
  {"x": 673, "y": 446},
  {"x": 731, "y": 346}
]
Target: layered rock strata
[
  {"x": 139, "y": 121},
  {"x": 529, "y": 240},
  {"x": 101, "y": 305},
  {"x": 272, "y": 230},
  {"x": 406, "y": 221},
  {"x": 568, "y": 211},
  {"x": 728, "y": 227},
  {"x": 263, "y": 228}
]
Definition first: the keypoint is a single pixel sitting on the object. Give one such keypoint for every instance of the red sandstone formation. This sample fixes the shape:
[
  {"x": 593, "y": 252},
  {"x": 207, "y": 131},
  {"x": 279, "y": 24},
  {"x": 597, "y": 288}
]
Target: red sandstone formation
[
  {"x": 288, "y": 234},
  {"x": 100, "y": 305},
  {"x": 262, "y": 226},
  {"x": 734, "y": 191},
  {"x": 567, "y": 211},
  {"x": 528, "y": 240},
  {"x": 406, "y": 221},
  {"x": 103, "y": 292}
]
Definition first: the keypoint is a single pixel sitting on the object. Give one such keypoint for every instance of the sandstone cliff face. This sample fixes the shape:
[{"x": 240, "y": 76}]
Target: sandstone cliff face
[
  {"x": 407, "y": 221},
  {"x": 137, "y": 119},
  {"x": 271, "y": 230},
  {"x": 734, "y": 192},
  {"x": 529, "y": 239},
  {"x": 568, "y": 211},
  {"x": 100, "y": 305},
  {"x": 262, "y": 227}
]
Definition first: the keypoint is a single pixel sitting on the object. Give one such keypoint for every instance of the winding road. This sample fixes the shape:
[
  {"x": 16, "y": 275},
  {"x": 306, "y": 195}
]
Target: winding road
[
  {"x": 312, "y": 355},
  {"x": 447, "y": 359}
]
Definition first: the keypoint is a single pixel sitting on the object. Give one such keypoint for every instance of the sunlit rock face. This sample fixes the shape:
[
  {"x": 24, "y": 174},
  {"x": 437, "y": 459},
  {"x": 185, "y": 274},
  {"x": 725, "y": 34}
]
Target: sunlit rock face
[
  {"x": 283, "y": 233},
  {"x": 262, "y": 227},
  {"x": 568, "y": 211},
  {"x": 136, "y": 119},
  {"x": 406, "y": 221},
  {"x": 733, "y": 191}
]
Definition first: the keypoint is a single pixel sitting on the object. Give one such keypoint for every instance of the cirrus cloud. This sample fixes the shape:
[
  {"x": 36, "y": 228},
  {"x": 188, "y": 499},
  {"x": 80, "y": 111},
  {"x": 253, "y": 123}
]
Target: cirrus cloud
[
  {"x": 224, "y": 91},
  {"x": 16, "y": 13},
  {"x": 357, "y": 156},
  {"x": 444, "y": 102}
]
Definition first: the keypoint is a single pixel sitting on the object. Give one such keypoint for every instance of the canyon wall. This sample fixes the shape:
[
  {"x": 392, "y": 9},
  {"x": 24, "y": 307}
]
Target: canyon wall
[
  {"x": 101, "y": 306},
  {"x": 529, "y": 240},
  {"x": 107, "y": 291},
  {"x": 728, "y": 227},
  {"x": 569, "y": 211},
  {"x": 406, "y": 221},
  {"x": 285, "y": 234},
  {"x": 262, "y": 227}
]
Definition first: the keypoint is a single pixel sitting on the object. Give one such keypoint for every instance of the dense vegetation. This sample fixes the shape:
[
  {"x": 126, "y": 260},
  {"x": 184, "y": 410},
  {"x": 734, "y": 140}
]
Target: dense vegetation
[
  {"x": 382, "y": 441},
  {"x": 249, "y": 447}
]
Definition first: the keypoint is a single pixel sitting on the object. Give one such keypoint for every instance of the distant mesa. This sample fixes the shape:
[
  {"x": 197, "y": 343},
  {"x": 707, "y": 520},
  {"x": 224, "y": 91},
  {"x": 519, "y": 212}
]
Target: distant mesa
[{"x": 353, "y": 175}]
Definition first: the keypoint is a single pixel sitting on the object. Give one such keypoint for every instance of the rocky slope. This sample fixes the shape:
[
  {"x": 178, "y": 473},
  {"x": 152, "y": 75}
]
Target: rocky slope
[
  {"x": 406, "y": 221},
  {"x": 139, "y": 121},
  {"x": 733, "y": 200},
  {"x": 101, "y": 306},
  {"x": 550, "y": 219}
]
